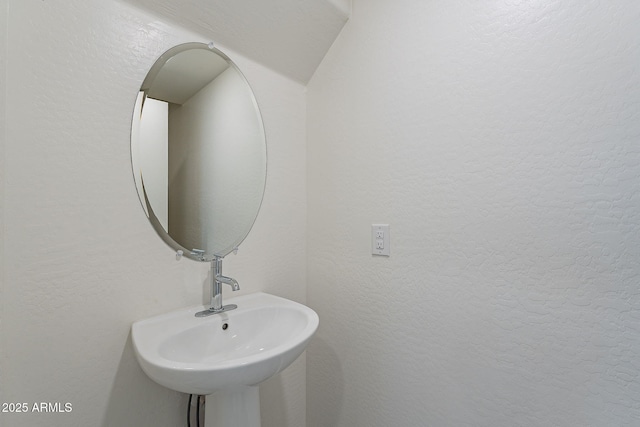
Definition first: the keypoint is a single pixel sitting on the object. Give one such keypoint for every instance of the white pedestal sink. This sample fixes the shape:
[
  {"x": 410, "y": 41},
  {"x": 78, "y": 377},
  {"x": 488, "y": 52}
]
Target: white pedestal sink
[{"x": 225, "y": 356}]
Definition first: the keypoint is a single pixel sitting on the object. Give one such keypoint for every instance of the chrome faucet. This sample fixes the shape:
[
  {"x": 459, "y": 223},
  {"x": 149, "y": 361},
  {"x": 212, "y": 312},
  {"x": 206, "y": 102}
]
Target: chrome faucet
[{"x": 217, "y": 279}]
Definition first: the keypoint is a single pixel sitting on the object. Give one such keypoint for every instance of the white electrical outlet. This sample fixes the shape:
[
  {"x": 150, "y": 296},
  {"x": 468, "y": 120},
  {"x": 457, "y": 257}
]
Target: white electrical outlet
[{"x": 380, "y": 239}]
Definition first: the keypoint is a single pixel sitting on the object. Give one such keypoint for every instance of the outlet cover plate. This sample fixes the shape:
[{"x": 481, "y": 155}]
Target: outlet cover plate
[{"x": 380, "y": 240}]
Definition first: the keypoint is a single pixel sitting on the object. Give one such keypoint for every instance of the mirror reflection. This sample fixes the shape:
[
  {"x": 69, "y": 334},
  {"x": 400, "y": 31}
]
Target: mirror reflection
[{"x": 198, "y": 151}]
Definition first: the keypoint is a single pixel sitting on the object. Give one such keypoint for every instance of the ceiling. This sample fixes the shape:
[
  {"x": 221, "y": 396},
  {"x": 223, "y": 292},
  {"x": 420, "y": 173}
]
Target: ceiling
[
  {"x": 288, "y": 36},
  {"x": 184, "y": 75}
]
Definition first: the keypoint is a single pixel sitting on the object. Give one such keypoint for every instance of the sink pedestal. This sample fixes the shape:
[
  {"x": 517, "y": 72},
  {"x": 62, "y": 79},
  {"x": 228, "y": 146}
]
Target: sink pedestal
[{"x": 236, "y": 407}]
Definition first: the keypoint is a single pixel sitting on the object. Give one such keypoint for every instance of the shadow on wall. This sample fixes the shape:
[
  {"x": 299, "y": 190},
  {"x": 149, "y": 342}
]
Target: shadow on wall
[
  {"x": 322, "y": 357},
  {"x": 135, "y": 400}
]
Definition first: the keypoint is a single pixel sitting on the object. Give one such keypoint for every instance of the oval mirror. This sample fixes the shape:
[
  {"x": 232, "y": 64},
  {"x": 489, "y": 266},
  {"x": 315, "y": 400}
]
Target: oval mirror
[{"x": 198, "y": 151}]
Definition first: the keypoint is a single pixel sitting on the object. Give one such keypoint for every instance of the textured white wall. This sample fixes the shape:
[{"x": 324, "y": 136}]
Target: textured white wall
[
  {"x": 500, "y": 141},
  {"x": 81, "y": 261}
]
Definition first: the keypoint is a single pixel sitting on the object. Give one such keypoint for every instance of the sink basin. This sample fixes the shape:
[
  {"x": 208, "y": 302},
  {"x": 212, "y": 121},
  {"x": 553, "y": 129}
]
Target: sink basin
[{"x": 242, "y": 347}]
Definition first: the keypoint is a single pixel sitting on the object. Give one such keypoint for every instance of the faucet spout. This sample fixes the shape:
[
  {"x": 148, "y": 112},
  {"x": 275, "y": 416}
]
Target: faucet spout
[{"x": 228, "y": 281}]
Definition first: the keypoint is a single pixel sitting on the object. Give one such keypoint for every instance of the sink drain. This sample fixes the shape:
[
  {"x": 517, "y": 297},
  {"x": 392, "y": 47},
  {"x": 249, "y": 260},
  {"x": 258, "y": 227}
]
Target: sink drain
[{"x": 225, "y": 326}]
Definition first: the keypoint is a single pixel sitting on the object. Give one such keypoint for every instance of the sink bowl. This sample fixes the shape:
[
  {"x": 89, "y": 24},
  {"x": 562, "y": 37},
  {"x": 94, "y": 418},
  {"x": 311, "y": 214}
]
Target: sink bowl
[{"x": 242, "y": 347}]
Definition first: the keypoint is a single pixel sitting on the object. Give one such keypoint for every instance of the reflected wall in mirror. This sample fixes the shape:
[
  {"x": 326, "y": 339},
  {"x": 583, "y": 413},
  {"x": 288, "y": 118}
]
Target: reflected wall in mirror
[{"x": 198, "y": 151}]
